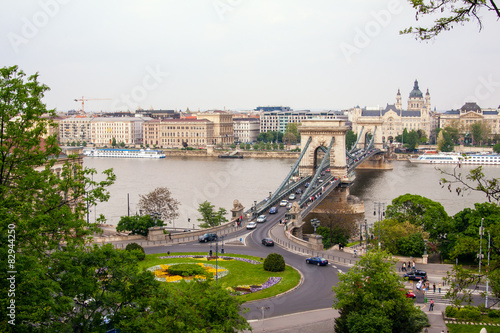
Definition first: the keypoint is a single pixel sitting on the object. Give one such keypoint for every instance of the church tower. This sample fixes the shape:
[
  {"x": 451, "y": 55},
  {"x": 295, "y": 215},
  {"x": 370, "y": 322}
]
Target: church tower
[
  {"x": 428, "y": 100},
  {"x": 416, "y": 100},
  {"x": 398, "y": 101}
]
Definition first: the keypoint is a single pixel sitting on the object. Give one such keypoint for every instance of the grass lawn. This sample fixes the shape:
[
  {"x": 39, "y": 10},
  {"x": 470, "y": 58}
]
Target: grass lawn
[
  {"x": 240, "y": 273},
  {"x": 458, "y": 328}
]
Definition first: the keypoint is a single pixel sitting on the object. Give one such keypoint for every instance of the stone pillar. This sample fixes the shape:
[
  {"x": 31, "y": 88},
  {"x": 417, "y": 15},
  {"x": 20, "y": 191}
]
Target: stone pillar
[
  {"x": 237, "y": 210},
  {"x": 316, "y": 242},
  {"x": 424, "y": 259}
]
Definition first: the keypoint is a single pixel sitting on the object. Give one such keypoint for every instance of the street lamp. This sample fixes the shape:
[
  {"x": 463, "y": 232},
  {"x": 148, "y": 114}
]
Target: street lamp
[
  {"x": 379, "y": 207},
  {"x": 315, "y": 223},
  {"x": 425, "y": 247}
]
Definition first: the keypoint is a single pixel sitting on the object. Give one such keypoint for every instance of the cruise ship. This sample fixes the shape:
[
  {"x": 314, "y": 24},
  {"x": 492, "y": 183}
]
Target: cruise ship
[
  {"x": 434, "y": 157},
  {"x": 125, "y": 153}
]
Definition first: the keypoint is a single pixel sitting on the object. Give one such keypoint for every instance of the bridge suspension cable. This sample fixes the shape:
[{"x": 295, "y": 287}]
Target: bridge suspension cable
[
  {"x": 292, "y": 171},
  {"x": 370, "y": 145},
  {"x": 357, "y": 140}
]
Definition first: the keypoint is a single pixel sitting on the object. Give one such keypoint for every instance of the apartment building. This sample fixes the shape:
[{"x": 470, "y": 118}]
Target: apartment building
[
  {"x": 123, "y": 129},
  {"x": 223, "y": 126},
  {"x": 246, "y": 130},
  {"x": 177, "y": 133}
]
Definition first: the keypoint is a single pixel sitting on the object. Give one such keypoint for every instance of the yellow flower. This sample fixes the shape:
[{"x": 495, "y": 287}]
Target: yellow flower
[{"x": 164, "y": 267}]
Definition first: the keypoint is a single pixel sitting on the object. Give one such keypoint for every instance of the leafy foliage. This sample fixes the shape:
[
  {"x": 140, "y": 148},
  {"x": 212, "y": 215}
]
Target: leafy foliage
[
  {"x": 210, "y": 217},
  {"x": 463, "y": 283},
  {"x": 350, "y": 139},
  {"x": 370, "y": 298},
  {"x": 137, "y": 225},
  {"x": 139, "y": 250},
  {"x": 159, "y": 201},
  {"x": 187, "y": 270},
  {"x": 395, "y": 237},
  {"x": 451, "y": 13},
  {"x": 274, "y": 262}
]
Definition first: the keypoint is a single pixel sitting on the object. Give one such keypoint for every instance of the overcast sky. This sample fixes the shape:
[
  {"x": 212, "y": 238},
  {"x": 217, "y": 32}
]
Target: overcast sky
[{"x": 240, "y": 54}]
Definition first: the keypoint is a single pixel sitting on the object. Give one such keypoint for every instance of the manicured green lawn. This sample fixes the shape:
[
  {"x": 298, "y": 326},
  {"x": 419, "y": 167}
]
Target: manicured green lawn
[
  {"x": 240, "y": 273},
  {"x": 457, "y": 328}
]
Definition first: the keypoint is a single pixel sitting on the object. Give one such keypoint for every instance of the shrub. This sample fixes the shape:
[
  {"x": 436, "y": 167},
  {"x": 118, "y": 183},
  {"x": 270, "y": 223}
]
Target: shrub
[
  {"x": 187, "y": 270},
  {"x": 451, "y": 312},
  {"x": 469, "y": 313},
  {"x": 493, "y": 313},
  {"x": 274, "y": 262},
  {"x": 138, "y": 249}
]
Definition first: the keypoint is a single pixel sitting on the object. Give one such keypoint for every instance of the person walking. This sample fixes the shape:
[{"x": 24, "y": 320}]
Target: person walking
[
  {"x": 439, "y": 287},
  {"x": 434, "y": 287},
  {"x": 409, "y": 265},
  {"x": 413, "y": 267},
  {"x": 431, "y": 305},
  {"x": 403, "y": 269},
  {"x": 170, "y": 236}
]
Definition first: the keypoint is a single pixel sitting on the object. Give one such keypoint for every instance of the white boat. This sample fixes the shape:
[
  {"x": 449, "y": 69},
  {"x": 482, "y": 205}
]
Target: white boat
[
  {"x": 434, "y": 157},
  {"x": 126, "y": 153}
]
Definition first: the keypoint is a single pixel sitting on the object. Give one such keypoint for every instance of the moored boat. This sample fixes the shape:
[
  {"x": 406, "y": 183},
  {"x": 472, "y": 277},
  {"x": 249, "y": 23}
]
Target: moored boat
[
  {"x": 125, "y": 153},
  {"x": 434, "y": 157}
]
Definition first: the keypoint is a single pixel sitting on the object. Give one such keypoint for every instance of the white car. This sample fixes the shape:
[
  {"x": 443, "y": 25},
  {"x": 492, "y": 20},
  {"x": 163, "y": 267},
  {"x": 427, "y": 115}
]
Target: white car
[
  {"x": 251, "y": 225},
  {"x": 283, "y": 203},
  {"x": 261, "y": 219},
  {"x": 291, "y": 196}
]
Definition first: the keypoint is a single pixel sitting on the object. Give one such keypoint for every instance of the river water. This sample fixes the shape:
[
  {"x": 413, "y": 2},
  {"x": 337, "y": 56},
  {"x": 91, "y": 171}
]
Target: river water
[{"x": 221, "y": 181}]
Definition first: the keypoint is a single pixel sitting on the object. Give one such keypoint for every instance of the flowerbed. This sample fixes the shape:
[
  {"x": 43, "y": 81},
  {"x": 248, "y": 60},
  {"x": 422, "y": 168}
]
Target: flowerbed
[
  {"x": 252, "y": 289},
  {"x": 250, "y": 261},
  {"x": 161, "y": 272}
]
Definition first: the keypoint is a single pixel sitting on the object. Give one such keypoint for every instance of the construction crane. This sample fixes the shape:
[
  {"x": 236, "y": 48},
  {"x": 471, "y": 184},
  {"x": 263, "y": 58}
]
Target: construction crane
[{"x": 83, "y": 99}]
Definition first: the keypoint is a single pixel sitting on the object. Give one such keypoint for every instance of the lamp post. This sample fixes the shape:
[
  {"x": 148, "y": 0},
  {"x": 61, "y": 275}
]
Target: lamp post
[
  {"x": 315, "y": 223},
  {"x": 425, "y": 247},
  {"x": 379, "y": 207}
]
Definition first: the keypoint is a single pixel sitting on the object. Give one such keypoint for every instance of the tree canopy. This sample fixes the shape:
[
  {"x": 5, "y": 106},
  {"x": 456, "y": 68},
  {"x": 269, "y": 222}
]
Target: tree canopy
[
  {"x": 138, "y": 225},
  {"x": 159, "y": 201},
  {"x": 209, "y": 216},
  {"x": 450, "y": 13},
  {"x": 371, "y": 297}
]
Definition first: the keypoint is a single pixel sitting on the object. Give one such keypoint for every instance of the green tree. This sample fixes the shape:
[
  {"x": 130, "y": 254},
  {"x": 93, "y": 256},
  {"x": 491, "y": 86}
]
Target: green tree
[
  {"x": 122, "y": 144},
  {"x": 248, "y": 146},
  {"x": 444, "y": 142},
  {"x": 293, "y": 129},
  {"x": 412, "y": 140},
  {"x": 113, "y": 142},
  {"x": 232, "y": 146},
  {"x": 159, "y": 201},
  {"x": 45, "y": 210},
  {"x": 242, "y": 145},
  {"x": 209, "y": 216},
  {"x": 289, "y": 138},
  {"x": 479, "y": 131},
  {"x": 453, "y": 131},
  {"x": 138, "y": 225},
  {"x": 496, "y": 148},
  {"x": 350, "y": 139},
  {"x": 394, "y": 236},
  {"x": 422, "y": 137},
  {"x": 420, "y": 211},
  {"x": 449, "y": 14},
  {"x": 370, "y": 298}
]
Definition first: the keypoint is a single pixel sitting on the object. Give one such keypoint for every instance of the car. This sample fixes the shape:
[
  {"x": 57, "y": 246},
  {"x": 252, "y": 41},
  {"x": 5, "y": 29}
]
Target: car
[
  {"x": 317, "y": 261},
  {"x": 267, "y": 242},
  {"x": 306, "y": 185},
  {"x": 273, "y": 210},
  {"x": 207, "y": 237},
  {"x": 299, "y": 191},
  {"x": 323, "y": 173},
  {"x": 251, "y": 225},
  {"x": 291, "y": 197},
  {"x": 283, "y": 203},
  {"x": 262, "y": 219},
  {"x": 410, "y": 294},
  {"x": 416, "y": 275},
  {"x": 289, "y": 205}
]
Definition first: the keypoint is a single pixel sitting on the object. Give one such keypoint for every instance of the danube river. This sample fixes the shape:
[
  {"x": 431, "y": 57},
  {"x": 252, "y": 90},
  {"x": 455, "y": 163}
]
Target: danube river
[{"x": 221, "y": 181}]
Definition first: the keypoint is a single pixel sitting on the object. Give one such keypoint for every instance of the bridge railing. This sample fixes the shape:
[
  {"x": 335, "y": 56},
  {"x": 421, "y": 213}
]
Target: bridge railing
[
  {"x": 308, "y": 206},
  {"x": 283, "y": 194}
]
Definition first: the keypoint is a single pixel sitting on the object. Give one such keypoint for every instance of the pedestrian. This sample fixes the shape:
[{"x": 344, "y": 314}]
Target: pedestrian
[
  {"x": 431, "y": 306},
  {"x": 439, "y": 287},
  {"x": 409, "y": 265},
  {"x": 170, "y": 236},
  {"x": 434, "y": 287},
  {"x": 404, "y": 267},
  {"x": 413, "y": 267}
]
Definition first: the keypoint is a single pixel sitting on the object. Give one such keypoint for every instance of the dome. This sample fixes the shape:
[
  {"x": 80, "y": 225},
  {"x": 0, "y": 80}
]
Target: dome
[{"x": 416, "y": 93}]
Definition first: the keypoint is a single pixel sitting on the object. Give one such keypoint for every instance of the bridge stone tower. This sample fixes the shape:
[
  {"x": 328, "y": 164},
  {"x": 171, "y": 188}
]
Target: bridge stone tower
[
  {"x": 322, "y": 132},
  {"x": 370, "y": 126}
]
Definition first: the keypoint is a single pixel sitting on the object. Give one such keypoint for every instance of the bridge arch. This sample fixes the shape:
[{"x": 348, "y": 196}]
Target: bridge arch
[
  {"x": 322, "y": 132},
  {"x": 370, "y": 126}
]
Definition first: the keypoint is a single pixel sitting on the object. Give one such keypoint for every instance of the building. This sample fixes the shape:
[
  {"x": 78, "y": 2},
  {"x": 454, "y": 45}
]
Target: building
[
  {"x": 177, "y": 133},
  {"x": 417, "y": 116},
  {"x": 277, "y": 121},
  {"x": 223, "y": 126},
  {"x": 246, "y": 130},
  {"x": 122, "y": 129},
  {"x": 75, "y": 129},
  {"x": 469, "y": 114},
  {"x": 158, "y": 114}
]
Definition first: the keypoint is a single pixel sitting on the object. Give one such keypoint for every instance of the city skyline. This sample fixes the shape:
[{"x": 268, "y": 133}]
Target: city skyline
[{"x": 238, "y": 55}]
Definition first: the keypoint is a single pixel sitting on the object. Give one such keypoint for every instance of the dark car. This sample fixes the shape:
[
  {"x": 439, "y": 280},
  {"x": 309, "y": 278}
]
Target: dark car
[
  {"x": 267, "y": 242},
  {"x": 273, "y": 210},
  {"x": 207, "y": 238},
  {"x": 416, "y": 275},
  {"x": 317, "y": 261},
  {"x": 299, "y": 191}
]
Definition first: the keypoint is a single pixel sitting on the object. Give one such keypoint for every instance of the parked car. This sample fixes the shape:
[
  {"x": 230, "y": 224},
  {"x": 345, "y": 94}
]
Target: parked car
[
  {"x": 267, "y": 242},
  {"x": 273, "y": 210},
  {"x": 207, "y": 237},
  {"x": 317, "y": 261},
  {"x": 291, "y": 197},
  {"x": 262, "y": 219},
  {"x": 251, "y": 225},
  {"x": 283, "y": 203},
  {"x": 416, "y": 275}
]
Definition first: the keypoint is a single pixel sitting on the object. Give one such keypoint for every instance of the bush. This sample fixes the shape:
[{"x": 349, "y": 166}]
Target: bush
[
  {"x": 138, "y": 249},
  {"x": 451, "y": 312},
  {"x": 469, "y": 313},
  {"x": 274, "y": 262},
  {"x": 493, "y": 313},
  {"x": 187, "y": 270}
]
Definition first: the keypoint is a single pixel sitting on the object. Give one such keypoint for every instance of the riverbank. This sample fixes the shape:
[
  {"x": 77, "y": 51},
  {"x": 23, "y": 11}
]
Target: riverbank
[{"x": 216, "y": 153}]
